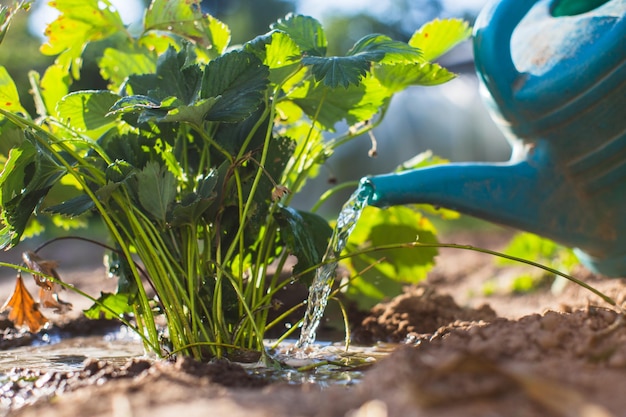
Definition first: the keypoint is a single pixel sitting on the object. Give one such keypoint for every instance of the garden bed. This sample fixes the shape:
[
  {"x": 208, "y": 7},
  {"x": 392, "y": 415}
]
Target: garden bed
[{"x": 468, "y": 355}]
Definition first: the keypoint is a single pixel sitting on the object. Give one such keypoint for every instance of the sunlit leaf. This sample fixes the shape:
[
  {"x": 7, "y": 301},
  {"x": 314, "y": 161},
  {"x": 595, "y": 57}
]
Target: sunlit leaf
[
  {"x": 195, "y": 113},
  {"x": 219, "y": 34},
  {"x": 400, "y": 76},
  {"x": 185, "y": 18},
  {"x": 383, "y": 49},
  {"x": 306, "y": 32},
  {"x": 336, "y": 71},
  {"x": 110, "y": 306},
  {"x": 393, "y": 225},
  {"x": 278, "y": 52},
  {"x": 437, "y": 37},
  {"x": 348, "y": 70},
  {"x": 541, "y": 250},
  {"x": 54, "y": 86},
  {"x": 134, "y": 103},
  {"x": 72, "y": 207},
  {"x": 80, "y": 22},
  {"x": 157, "y": 42},
  {"x": 116, "y": 64},
  {"x": 239, "y": 79},
  {"x": 24, "y": 310},
  {"x": 354, "y": 104},
  {"x": 25, "y": 180},
  {"x": 12, "y": 137},
  {"x": 156, "y": 188},
  {"x": 9, "y": 98},
  {"x": 87, "y": 111}
]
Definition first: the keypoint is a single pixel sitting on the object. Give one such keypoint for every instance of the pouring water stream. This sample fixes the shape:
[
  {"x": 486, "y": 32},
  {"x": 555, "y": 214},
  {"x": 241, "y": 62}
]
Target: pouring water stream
[{"x": 325, "y": 274}]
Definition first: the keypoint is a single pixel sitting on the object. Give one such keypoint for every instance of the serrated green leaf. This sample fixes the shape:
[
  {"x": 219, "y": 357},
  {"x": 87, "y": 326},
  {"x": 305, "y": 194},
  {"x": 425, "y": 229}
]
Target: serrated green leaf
[
  {"x": 219, "y": 35},
  {"x": 334, "y": 71},
  {"x": 305, "y": 235},
  {"x": 281, "y": 51},
  {"x": 354, "y": 104},
  {"x": 156, "y": 190},
  {"x": 12, "y": 137},
  {"x": 19, "y": 167},
  {"x": 72, "y": 207},
  {"x": 195, "y": 113},
  {"x": 278, "y": 52},
  {"x": 169, "y": 110},
  {"x": 383, "y": 49},
  {"x": 119, "y": 171},
  {"x": 115, "y": 305},
  {"x": 116, "y": 65},
  {"x": 176, "y": 77},
  {"x": 239, "y": 79},
  {"x": 179, "y": 16},
  {"x": 350, "y": 69},
  {"x": 400, "y": 76},
  {"x": 437, "y": 37},
  {"x": 9, "y": 98},
  {"x": 399, "y": 266},
  {"x": 157, "y": 42},
  {"x": 307, "y": 32},
  {"x": 133, "y": 104},
  {"x": 87, "y": 111},
  {"x": 25, "y": 180},
  {"x": 194, "y": 204}
]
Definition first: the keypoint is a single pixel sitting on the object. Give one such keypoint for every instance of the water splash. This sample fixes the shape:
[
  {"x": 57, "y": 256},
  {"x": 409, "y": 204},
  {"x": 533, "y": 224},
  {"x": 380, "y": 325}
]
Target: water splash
[{"x": 325, "y": 274}]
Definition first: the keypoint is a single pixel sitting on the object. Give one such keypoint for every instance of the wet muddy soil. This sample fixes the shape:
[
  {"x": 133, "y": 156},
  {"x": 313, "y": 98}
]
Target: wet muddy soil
[{"x": 460, "y": 353}]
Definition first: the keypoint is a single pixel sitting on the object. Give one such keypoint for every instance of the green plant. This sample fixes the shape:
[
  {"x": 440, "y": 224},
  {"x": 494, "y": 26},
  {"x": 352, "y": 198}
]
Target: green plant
[
  {"x": 193, "y": 153},
  {"x": 540, "y": 250}
]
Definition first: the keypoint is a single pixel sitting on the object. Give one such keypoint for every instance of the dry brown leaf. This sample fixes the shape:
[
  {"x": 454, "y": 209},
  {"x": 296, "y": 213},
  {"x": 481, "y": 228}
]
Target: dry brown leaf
[
  {"x": 24, "y": 309},
  {"x": 48, "y": 289}
]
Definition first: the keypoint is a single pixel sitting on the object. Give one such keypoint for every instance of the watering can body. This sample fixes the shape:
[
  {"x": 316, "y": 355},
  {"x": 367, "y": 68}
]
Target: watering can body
[{"x": 556, "y": 85}]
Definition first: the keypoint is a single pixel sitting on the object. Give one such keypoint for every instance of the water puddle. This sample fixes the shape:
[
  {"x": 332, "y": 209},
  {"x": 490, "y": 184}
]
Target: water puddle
[
  {"x": 324, "y": 364},
  {"x": 325, "y": 275},
  {"x": 55, "y": 353}
]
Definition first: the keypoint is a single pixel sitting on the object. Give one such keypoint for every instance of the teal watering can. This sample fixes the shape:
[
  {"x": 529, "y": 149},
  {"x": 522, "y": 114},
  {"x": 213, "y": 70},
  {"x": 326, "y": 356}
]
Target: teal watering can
[{"x": 553, "y": 75}]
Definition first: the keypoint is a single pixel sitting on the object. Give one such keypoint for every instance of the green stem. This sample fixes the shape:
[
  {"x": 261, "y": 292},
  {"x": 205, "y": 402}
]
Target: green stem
[
  {"x": 332, "y": 191},
  {"x": 604, "y": 297}
]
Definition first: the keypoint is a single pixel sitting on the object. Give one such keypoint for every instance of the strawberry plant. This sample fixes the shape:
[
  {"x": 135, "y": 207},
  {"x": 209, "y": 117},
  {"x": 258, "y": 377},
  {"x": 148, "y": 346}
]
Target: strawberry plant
[{"x": 193, "y": 153}]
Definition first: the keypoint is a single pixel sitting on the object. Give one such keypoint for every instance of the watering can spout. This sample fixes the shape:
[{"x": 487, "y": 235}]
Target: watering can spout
[
  {"x": 494, "y": 192},
  {"x": 504, "y": 193}
]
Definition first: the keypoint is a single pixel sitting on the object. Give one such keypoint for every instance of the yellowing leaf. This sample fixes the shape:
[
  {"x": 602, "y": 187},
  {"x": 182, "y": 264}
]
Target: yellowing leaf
[
  {"x": 9, "y": 99},
  {"x": 185, "y": 18},
  {"x": 48, "y": 288},
  {"x": 80, "y": 22},
  {"x": 400, "y": 76},
  {"x": 439, "y": 36},
  {"x": 24, "y": 310}
]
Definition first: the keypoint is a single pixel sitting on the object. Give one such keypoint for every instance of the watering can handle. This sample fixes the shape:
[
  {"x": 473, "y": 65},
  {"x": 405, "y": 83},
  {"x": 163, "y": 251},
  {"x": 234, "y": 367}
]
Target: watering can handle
[{"x": 492, "y": 47}]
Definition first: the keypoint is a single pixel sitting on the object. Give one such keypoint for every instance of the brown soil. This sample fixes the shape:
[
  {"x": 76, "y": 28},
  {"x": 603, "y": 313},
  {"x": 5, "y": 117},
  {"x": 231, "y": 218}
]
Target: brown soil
[{"x": 464, "y": 354}]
